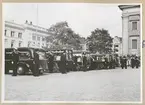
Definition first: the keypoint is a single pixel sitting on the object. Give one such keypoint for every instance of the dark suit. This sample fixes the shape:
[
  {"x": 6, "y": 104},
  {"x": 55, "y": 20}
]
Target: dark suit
[
  {"x": 36, "y": 65},
  {"x": 63, "y": 64},
  {"x": 132, "y": 62},
  {"x": 15, "y": 58},
  {"x": 125, "y": 63},
  {"x": 84, "y": 63},
  {"x": 51, "y": 63}
]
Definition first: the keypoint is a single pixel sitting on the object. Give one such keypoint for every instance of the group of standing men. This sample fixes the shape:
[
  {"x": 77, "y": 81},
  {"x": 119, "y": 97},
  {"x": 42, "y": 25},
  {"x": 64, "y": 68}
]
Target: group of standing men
[{"x": 134, "y": 62}]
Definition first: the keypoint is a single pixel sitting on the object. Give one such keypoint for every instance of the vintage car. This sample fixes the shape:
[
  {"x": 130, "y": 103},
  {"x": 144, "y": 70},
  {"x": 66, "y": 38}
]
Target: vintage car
[
  {"x": 78, "y": 60},
  {"x": 8, "y": 59},
  {"x": 57, "y": 57},
  {"x": 26, "y": 60}
]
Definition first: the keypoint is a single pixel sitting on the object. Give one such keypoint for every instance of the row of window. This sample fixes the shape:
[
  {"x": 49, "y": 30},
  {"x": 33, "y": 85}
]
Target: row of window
[
  {"x": 20, "y": 43},
  {"x": 134, "y": 44},
  {"x": 12, "y": 43},
  {"x": 13, "y": 33},
  {"x": 38, "y": 38}
]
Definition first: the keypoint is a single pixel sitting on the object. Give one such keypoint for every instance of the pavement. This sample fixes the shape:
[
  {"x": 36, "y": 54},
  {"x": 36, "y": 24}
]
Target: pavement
[{"x": 96, "y": 85}]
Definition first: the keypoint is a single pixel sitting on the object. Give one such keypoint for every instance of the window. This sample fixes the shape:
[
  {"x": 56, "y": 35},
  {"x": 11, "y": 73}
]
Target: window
[
  {"x": 24, "y": 55},
  {"x": 33, "y": 37},
  {"x": 115, "y": 45},
  {"x": 12, "y": 33},
  {"x": 6, "y": 40},
  {"x": 134, "y": 43},
  {"x": 134, "y": 25},
  {"x": 12, "y": 43},
  {"x": 29, "y": 44},
  {"x": 19, "y": 35},
  {"x": 5, "y": 32},
  {"x": 38, "y": 44},
  {"x": 38, "y": 38},
  {"x": 43, "y": 38},
  {"x": 20, "y": 43}
]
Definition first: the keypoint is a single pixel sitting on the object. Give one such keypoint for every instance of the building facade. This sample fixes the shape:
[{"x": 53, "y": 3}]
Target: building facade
[
  {"x": 117, "y": 45},
  {"x": 130, "y": 29},
  {"x": 24, "y": 35}
]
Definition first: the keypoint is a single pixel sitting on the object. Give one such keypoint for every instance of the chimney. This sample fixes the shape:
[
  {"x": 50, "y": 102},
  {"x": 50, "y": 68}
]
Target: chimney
[
  {"x": 30, "y": 23},
  {"x": 26, "y": 21}
]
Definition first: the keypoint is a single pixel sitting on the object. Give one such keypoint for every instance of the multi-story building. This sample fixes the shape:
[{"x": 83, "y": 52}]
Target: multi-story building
[
  {"x": 117, "y": 45},
  {"x": 130, "y": 29},
  {"x": 25, "y": 35}
]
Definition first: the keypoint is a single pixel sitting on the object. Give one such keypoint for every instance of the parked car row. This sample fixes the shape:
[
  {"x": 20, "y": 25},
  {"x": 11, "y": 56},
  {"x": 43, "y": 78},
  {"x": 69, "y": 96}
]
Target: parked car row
[{"x": 74, "y": 62}]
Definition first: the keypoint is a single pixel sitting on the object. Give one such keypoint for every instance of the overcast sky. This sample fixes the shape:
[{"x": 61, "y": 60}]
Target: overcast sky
[{"x": 81, "y": 17}]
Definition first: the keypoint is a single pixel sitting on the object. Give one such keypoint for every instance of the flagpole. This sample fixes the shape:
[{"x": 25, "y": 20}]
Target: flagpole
[{"x": 36, "y": 20}]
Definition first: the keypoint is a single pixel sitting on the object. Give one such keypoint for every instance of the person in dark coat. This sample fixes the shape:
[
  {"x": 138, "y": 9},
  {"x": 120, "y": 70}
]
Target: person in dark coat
[
  {"x": 36, "y": 65},
  {"x": 124, "y": 62},
  {"x": 137, "y": 62},
  {"x": 132, "y": 62},
  {"x": 63, "y": 64},
  {"x": 51, "y": 63},
  {"x": 15, "y": 57},
  {"x": 121, "y": 62},
  {"x": 84, "y": 62},
  {"x": 75, "y": 62}
]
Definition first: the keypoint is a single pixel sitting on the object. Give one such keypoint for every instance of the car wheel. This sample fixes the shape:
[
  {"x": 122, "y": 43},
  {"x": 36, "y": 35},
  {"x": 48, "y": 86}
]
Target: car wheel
[
  {"x": 20, "y": 70},
  {"x": 41, "y": 72}
]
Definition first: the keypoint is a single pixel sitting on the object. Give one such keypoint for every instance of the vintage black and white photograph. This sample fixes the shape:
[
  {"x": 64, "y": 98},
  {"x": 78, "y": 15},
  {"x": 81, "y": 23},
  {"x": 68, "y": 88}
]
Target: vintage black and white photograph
[{"x": 72, "y": 52}]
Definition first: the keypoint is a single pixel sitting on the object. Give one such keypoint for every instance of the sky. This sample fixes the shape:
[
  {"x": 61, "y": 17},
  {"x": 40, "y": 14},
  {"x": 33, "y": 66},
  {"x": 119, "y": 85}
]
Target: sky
[{"x": 83, "y": 18}]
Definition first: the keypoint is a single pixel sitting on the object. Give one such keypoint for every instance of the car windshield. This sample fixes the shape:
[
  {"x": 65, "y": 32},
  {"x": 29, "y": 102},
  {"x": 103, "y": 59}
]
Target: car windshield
[{"x": 24, "y": 55}]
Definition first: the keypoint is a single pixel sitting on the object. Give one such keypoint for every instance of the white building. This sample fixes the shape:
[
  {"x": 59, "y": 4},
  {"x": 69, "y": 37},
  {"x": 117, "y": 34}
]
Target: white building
[
  {"x": 117, "y": 45},
  {"x": 130, "y": 29},
  {"x": 25, "y": 35}
]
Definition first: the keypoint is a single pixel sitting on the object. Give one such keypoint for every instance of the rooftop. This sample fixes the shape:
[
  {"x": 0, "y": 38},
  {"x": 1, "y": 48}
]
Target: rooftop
[{"x": 127, "y": 6}]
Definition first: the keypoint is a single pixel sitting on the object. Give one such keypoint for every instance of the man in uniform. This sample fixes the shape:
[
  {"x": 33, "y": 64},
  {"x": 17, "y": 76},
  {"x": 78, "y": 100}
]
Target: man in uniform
[
  {"x": 36, "y": 64},
  {"x": 132, "y": 62},
  {"x": 15, "y": 58},
  {"x": 63, "y": 63},
  {"x": 137, "y": 62},
  {"x": 51, "y": 62},
  {"x": 121, "y": 62},
  {"x": 124, "y": 62},
  {"x": 84, "y": 62}
]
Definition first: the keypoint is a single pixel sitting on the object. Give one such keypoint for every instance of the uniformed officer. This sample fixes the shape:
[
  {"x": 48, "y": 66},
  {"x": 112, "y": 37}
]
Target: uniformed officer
[
  {"x": 15, "y": 58},
  {"x": 137, "y": 62},
  {"x": 63, "y": 63},
  {"x": 121, "y": 62},
  {"x": 132, "y": 62},
  {"x": 36, "y": 64},
  {"x": 84, "y": 62},
  {"x": 125, "y": 62},
  {"x": 51, "y": 62}
]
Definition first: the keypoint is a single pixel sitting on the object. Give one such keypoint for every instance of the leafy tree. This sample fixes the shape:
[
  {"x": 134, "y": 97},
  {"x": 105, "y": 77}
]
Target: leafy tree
[
  {"x": 63, "y": 36},
  {"x": 100, "y": 41}
]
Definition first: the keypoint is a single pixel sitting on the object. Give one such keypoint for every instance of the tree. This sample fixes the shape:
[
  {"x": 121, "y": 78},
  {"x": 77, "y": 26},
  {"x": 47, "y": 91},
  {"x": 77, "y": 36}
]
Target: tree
[
  {"x": 63, "y": 36},
  {"x": 100, "y": 41}
]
